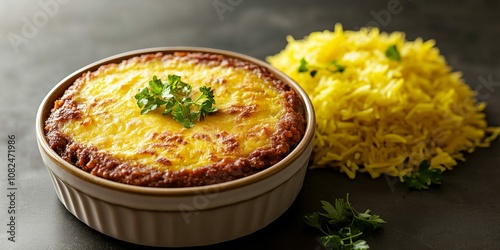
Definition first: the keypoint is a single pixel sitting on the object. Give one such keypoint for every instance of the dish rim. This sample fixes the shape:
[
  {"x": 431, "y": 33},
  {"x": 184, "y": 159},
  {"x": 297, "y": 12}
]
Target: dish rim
[{"x": 58, "y": 90}]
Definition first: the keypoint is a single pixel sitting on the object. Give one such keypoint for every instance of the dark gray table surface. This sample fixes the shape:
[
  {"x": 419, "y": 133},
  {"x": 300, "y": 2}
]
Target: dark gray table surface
[{"x": 43, "y": 41}]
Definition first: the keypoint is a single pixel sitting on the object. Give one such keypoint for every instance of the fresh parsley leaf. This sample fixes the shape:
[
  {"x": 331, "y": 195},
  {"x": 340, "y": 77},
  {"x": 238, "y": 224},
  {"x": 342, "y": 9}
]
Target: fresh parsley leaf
[
  {"x": 313, "y": 69},
  {"x": 367, "y": 221},
  {"x": 338, "y": 215},
  {"x": 147, "y": 101},
  {"x": 206, "y": 107},
  {"x": 156, "y": 86},
  {"x": 342, "y": 225},
  {"x": 424, "y": 177},
  {"x": 339, "y": 68},
  {"x": 332, "y": 241},
  {"x": 175, "y": 95},
  {"x": 179, "y": 114},
  {"x": 313, "y": 220},
  {"x": 392, "y": 53}
]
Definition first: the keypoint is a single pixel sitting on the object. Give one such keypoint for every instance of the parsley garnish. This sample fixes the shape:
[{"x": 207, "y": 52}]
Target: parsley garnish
[
  {"x": 174, "y": 94},
  {"x": 333, "y": 66},
  {"x": 342, "y": 225},
  {"x": 424, "y": 177},
  {"x": 392, "y": 53},
  {"x": 304, "y": 67}
]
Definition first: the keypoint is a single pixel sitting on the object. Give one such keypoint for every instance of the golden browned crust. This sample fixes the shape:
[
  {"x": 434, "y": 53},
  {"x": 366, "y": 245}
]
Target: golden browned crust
[{"x": 291, "y": 129}]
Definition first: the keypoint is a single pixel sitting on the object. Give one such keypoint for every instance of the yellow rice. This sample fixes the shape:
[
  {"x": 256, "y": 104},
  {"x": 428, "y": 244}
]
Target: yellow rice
[{"x": 383, "y": 116}]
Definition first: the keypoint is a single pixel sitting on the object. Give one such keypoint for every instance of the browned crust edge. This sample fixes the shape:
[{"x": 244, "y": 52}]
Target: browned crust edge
[{"x": 291, "y": 129}]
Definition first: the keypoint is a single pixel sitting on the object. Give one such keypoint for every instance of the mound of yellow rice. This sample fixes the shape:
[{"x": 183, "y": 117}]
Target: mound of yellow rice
[{"x": 384, "y": 116}]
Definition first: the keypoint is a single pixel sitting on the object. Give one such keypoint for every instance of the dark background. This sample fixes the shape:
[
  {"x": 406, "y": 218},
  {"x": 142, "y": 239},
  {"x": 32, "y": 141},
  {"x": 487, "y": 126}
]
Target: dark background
[{"x": 462, "y": 213}]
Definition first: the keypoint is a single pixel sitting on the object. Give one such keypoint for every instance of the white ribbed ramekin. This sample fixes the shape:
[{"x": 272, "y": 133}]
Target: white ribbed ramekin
[{"x": 176, "y": 217}]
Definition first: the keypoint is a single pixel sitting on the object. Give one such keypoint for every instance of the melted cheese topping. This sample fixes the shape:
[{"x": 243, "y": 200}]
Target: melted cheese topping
[{"x": 249, "y": 109}]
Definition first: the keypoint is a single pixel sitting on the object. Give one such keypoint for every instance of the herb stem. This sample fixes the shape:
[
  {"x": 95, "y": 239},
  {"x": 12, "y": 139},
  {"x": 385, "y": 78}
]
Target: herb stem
[{"x": 174, "y": 94}]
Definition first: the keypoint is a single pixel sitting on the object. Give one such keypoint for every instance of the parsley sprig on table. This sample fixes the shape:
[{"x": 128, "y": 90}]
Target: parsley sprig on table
[
  {"x": 342, "y": 225},
  {"x": 175, "y": 95},
  {"x": 333, "y": 66},
  {"x": 424, "y": 177},
  {"x": 392, "y": 53}
]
